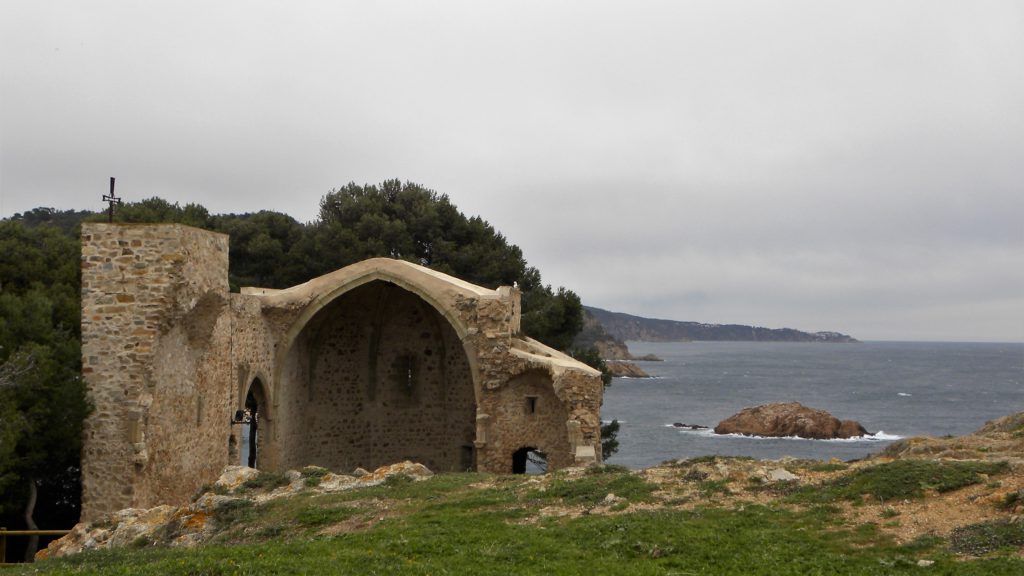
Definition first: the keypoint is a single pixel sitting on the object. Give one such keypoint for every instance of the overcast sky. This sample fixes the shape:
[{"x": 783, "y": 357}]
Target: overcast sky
[{"x": 853, "y": 166}]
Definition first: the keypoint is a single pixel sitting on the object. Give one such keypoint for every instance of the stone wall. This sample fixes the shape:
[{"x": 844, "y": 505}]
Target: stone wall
[
  {"x": 252, "y": 361},
  {"x": 138, "y": 282},
  {"x": 526, "y": 413}
]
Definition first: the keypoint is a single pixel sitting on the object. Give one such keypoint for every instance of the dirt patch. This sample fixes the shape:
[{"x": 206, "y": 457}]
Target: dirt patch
[{"x": 940, "y": 514}]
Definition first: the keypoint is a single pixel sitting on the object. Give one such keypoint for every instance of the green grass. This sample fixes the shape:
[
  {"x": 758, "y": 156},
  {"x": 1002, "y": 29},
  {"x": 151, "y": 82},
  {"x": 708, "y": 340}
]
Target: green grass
[
  {"x": 709, "y": 488},
  {"x": 754, "y": 541},
  {"x": 315, "y": 516},
  {"x": 266, "y": 481},
  {"x": 593, "y": 487},
  {"x": 483, "y": 524},
  {"x": 828, "y": 467},
  {"x": 234, "y": 511},
  {"x": 900, "y": 480},
  {"x": 924, "y": 543}
]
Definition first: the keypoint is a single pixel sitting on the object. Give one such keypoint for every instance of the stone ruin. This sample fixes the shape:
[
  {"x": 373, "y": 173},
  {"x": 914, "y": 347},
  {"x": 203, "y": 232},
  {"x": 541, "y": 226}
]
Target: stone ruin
[{"x": 376, "y": 363}]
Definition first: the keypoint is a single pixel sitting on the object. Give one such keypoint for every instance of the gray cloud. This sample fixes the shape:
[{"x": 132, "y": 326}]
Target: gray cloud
[{"x": 821, "y": 165}]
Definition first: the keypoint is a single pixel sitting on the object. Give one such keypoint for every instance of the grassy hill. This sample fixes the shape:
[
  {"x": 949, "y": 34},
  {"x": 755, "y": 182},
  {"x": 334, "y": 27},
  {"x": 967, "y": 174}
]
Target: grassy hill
[{"x": 925, "y": 506}]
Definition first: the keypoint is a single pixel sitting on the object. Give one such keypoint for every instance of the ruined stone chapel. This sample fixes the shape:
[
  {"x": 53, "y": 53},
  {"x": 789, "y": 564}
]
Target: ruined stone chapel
[{"x": 378, "y": 362}]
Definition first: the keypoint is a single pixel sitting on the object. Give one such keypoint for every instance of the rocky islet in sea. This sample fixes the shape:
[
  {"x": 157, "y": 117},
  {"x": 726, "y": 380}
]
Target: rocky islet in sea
[{"x": 785, "y": 419}]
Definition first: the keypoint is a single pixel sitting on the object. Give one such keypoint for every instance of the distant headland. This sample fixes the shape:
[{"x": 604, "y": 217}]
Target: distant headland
[
  {"x": 628, "y": 327},
  {"x": 607, "y": 332}
]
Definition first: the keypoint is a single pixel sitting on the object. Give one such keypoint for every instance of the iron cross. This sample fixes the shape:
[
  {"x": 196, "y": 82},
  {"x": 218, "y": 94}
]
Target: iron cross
[{"x": 112, "y": 200}]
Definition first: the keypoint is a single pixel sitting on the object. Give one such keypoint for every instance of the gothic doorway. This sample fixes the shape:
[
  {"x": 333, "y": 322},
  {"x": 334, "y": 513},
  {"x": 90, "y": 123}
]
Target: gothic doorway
[{"x": 252, "y": 417}]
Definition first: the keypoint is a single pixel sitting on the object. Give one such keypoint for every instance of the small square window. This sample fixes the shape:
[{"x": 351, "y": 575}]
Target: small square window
[{"x": 531, "y": 404}]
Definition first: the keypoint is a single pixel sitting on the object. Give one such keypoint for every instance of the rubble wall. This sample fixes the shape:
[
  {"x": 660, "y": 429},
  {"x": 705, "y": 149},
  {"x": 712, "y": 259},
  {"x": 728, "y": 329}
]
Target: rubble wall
[
  {"x": 138, "y": 283},
  {"x": 252, "y": 360},
  {"x": 526, "y": 413}
]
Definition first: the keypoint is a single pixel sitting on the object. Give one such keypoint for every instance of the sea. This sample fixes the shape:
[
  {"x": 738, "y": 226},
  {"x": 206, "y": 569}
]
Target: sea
[{"x": 894, "y": 389}]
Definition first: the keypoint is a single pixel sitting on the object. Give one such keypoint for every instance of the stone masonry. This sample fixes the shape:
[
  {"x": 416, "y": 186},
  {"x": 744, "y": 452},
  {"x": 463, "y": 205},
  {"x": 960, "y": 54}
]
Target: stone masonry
[{"x": 378, "y": 362}]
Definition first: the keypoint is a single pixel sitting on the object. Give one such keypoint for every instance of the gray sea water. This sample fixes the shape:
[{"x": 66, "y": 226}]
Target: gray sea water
[{"x": 895, "y": 389}]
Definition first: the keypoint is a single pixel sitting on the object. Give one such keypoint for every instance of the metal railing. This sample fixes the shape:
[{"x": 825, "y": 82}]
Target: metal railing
[{"x": 4, "y": 533}]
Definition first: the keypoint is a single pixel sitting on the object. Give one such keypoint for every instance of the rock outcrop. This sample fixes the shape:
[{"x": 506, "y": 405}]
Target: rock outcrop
[
  {"x": 998, "y": 440},
  {"x": 593, "y": 335},
  {"x": 789, "y": 419},
  {"x": 626, "y": 370},
  {"x": 197, "y": 522}
]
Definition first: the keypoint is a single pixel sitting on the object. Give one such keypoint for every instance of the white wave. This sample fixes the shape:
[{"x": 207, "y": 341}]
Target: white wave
[
  {"x": 903, "y": 394},
  {"x": 709, "y": 432},
  {"x": 879, "y": 436}
]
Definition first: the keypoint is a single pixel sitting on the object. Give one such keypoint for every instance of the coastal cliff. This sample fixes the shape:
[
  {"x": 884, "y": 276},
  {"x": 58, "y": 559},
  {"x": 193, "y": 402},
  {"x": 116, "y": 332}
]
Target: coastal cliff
[
  {"x": 626, "y": 370},
  {"x": 621, "y": 327},
  {"x": 594, "y": 335}
]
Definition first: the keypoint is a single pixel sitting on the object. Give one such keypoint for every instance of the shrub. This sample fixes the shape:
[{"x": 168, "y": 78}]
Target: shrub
[
  {"x": 233, "y": 511},
  {"x": 979, "y": 539},
  {"x": 695, "y": 475},
  {"x": 902, "y": 479},
  {"x": 606, "y": 469},
  {"x": 398, "y": 480},
  {"x": 314, "y": 472},
  {"x": 266, "y": 481},
  {"x": 218, "y": 489},
  {"x": 1013, "y": 499}
]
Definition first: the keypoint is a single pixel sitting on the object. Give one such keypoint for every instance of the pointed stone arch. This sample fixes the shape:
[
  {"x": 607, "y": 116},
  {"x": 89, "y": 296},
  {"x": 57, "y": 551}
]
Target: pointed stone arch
[
  {"x": 438, "y": 290},
  {"x": 374, "y": 374}
]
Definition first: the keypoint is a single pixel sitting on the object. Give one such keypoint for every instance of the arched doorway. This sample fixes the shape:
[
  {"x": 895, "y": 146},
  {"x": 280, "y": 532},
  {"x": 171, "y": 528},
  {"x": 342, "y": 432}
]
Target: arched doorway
[
  {"x": 375, "y": 377},
  {"x": 529, "y": 460},
  {"x": 252, "y": 417}
]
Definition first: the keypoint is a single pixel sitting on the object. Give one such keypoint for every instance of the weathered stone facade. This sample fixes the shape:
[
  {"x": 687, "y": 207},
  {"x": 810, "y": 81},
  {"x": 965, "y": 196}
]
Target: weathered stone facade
[{"x": 375, "y": 363}]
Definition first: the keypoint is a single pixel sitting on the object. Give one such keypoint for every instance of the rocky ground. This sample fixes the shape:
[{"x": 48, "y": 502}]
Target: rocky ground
[
  {"x": 197, "y": 522},
  {"x": 949, "y": 485},
  {"x": 907, "y": 519}
]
